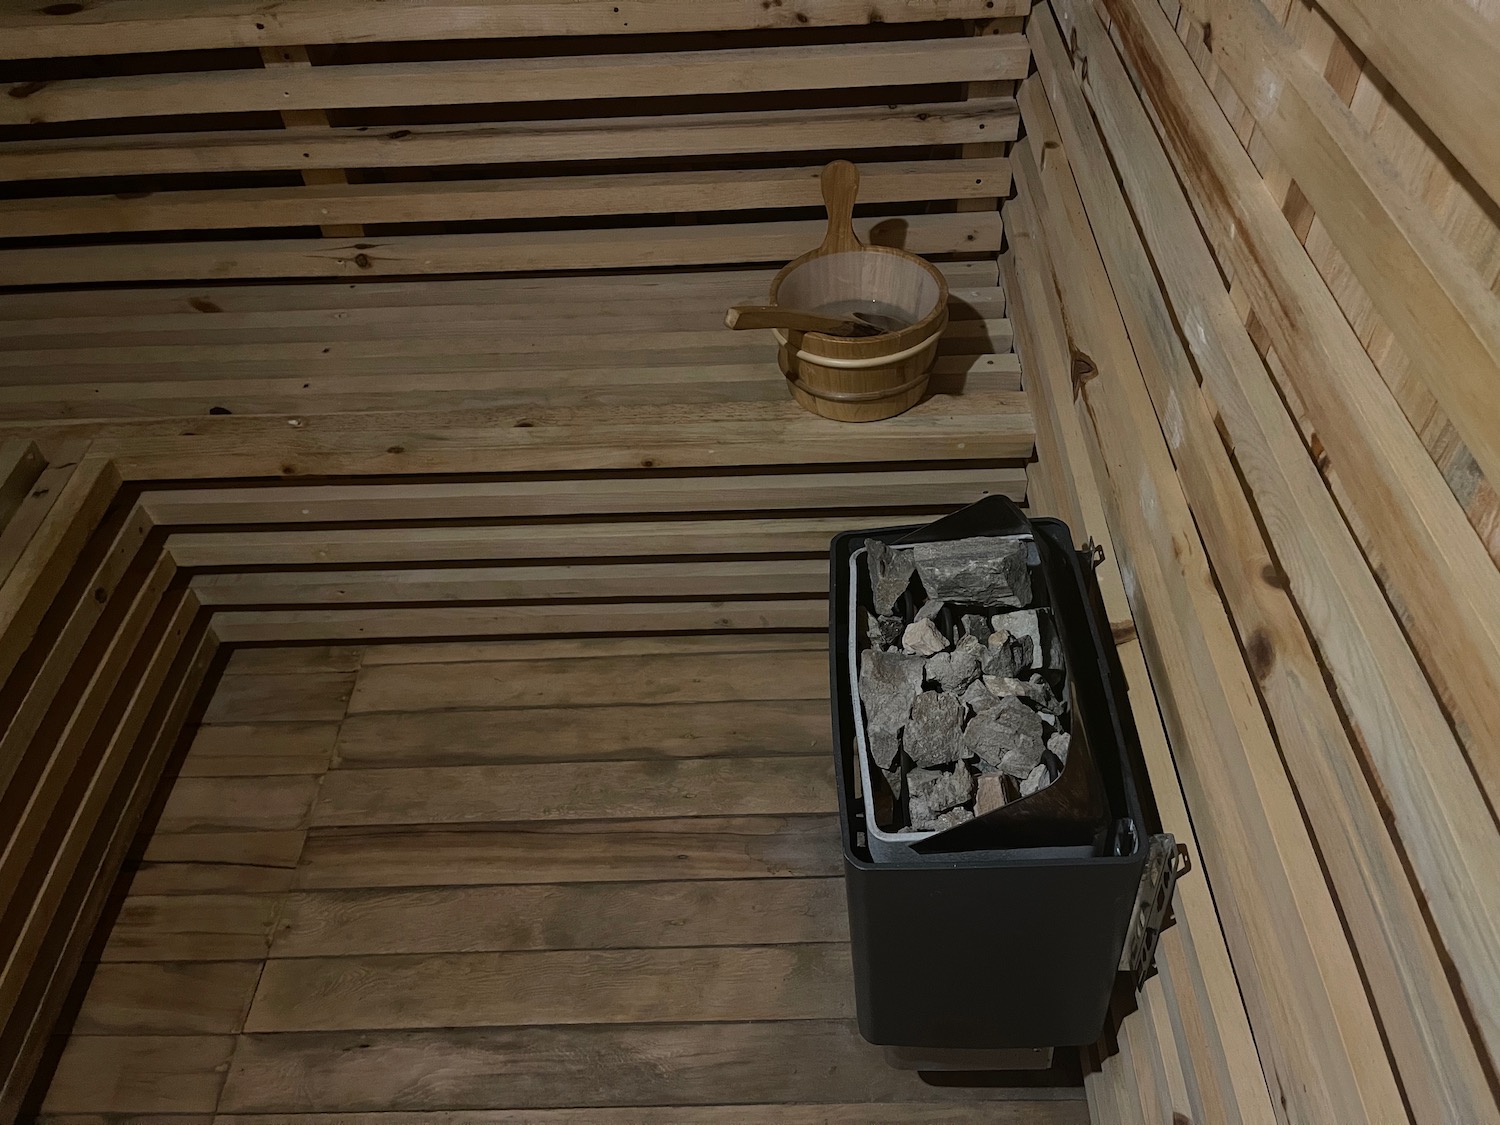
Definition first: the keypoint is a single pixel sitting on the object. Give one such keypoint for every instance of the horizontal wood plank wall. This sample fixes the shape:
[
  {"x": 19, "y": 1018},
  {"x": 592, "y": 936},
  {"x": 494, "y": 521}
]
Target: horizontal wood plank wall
[
  {"x": 1289, "y": 365},
  {"x": 537, "y": 137}
]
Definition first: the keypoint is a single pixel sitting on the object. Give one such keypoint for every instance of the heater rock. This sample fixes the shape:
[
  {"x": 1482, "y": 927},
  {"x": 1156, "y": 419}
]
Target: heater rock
[
  {"x": 1022, "y": 734},
  {"x": 977, "y": 625},
  {"x": 981, "y": 571},
  {"x": 883, "y": 632},
  {"x": 1005, "y": 655},
  {"x": 990, "y": 794},
  {"x": 979, "y": 698},
  {"x": 930, "y": 609},
  {"x": 923, "y": 638},
  {"x": 1034, "y": 690},
  {"x": 956, "y": 670},
  {"x": 1020, "y": 623},
  {"x": 888, "y": 684},
  {"x": 890, "y": 574},
  {"x": 934, "y": 733},
  {"x": 1035, "y": 780},
  {"x": 930, "y": 792},
  {"x": 1058, "y": 746},
  {"x": 951, "y": 819}
]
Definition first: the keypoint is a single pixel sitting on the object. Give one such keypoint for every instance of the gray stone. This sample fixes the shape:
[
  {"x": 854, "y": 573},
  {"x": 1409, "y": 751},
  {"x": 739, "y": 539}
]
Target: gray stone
[
  {"x": 951, "y": 819},
  {"x": 956, "y": 670},
  {"x": 977, "y": 625},
  {"x": 1023, "y": 735},
  {"x": 923, "y": 638},
  {"x": 989, "y": 793},
  {"x": 883, "y": 632},
  {"x": 930, "y": 609},
  {"x": 890, "y": 574},
  {"x": 979, "y": 698},
  {"x": 1005, "y": 655},
  {"x": 1034, "y": 690},
  {"x": 1051, "y": 653},
  {"x": 1058, "y": 745},
  {"x": 985, "y": 570},
  {"x": 1046, "y": 697},
  {"x": 1020, "y": 623},
  {"x": 1035, "y": 780},
  {"x": 934, "y": 733},
  {"x": 930, "y": 792},
  {"x": 888, "y": 683}
]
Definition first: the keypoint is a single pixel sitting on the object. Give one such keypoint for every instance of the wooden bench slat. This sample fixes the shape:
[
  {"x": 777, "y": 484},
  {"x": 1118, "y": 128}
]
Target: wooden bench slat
[
  {"x": 990, "y": 120},
  {"x": 494, "y": 81}
]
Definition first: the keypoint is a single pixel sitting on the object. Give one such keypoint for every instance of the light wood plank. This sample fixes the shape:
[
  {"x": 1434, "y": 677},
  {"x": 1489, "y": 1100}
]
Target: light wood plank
[
  {"x": 725, "y": 729},
  {"x": 171, "y": 25},
  {"x": 992, "y": 120},
  {"x": 21, "y": 463},
  {"x": 614, "y": 986},
  {"x": 609, "y": 248},
  {"x": 207, "y": 927},
  {"x": 638, "y": 193},
  {"x": 579, "y": 916},
  {"x": 667, "y": 678},
  {"x": 673, "y": 1065},
  {"x": 472, "y": 652},
  {"x": 572, "y": 851},
  {"x": 259, "y": 697},
  {"x": 140, "y": 1074},
  {"x": 1051, "y": 1112},
  {"x": 787, "y": 578},
  {"x": 168, "y": 998},
  {"x": 596, "y": 791},
  {"x": 487, "y": 81}
]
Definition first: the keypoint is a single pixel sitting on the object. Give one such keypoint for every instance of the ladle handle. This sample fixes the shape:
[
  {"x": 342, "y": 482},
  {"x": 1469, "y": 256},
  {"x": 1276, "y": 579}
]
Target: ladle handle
[
  {"x": 840, "y": 187},
  {"x": 775, "y": 316}
]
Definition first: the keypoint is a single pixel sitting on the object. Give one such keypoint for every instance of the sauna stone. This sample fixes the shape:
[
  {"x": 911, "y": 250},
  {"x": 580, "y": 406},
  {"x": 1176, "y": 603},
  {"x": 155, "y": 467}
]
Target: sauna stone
[
  {"x": 1035, "y": 780},
  {"x": 931, "y": 792},
  {"x": 888, "y": 683},
  {"x": 979, "y": 698},
  {"x": 923, "y": 638},
  {"x": 934, "y": 733},
  {"x": 1020, "y": 623},
  {"x": 1035, "y": 690},
  {"x": 930, "y": 609},
  {"x": 1022, "y": 734},
  {"x": 977, "y": 625},
  {"x": 950, "y": 819},
  {"x": 989, "y": 792},
  {"x": 885, "y": 631},
  {"x": 1057, "y": 745},
  {"x": 890, "y": 574},
  {"x": 980, "y": 571},
  {"x": 1006, "y": 656},
  {"x": 956, "y": 670}
]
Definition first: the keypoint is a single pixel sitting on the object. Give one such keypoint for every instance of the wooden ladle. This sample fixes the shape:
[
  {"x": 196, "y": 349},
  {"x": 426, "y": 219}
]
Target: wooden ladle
[{"x": 798, "y": 320}]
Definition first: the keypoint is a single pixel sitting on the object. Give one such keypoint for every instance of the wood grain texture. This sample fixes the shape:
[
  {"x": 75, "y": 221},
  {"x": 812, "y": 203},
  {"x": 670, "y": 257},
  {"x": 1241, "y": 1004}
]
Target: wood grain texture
[
  {"x": 631, "y": 680},
  {"x": 759, "y": 1063},
  {"x": 218, "y": 862},
  {"x": 168, "y": 998},
  {"x": 724, "y": 729},
  {"x": 281, "y": 697},
  {"x": 1043, "y": 1112},
  {"x": 205, "y": 927},
  {"x": 233, "y": 804},
  {"x": 480, "y": 652},
  {"x": 558, "y": 792},
  {"x": 578, "y": 916},
  {"x": 260, "y": 749},
  {"x": 555, "y": 988},
  {"x": 573, "y": 851},
  {"x": 140, "y": 1074}
]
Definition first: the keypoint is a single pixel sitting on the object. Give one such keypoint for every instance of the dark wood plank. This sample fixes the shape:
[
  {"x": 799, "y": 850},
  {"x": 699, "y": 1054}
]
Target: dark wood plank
[
  {"x": 140, "y": 1074},
  {"x": 294, "y": 658},
  {"x": 260, "y": 749},
  {"x": 1028, "y": 1112},
  {"x": 594, "y": 791},
  {"x": 731, "y": 728},
  {"x": 214, "y": 804},
  {"x": 580, "y": 916},
  {"x": 669, "y": 678},
  {"x": 674, "y": 1064},
  {"x": 168, "y": 998},
  {"x": 208, "y": 927},
  {"x": 572, "y": 851},
  {"x": 218, "y": 862},
  {"x": 268, "y": 697},
  {"x": 593, "y": 986}
]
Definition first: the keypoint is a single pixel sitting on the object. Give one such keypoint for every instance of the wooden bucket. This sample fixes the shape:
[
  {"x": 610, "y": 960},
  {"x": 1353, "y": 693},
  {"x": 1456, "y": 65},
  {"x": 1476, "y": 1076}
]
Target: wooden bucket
[{"x": 863, "y": 378}]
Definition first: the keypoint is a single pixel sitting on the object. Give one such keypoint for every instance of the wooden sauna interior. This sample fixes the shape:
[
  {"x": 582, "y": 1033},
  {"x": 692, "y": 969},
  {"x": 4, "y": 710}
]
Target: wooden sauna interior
[{"x": 413, "y": 693}]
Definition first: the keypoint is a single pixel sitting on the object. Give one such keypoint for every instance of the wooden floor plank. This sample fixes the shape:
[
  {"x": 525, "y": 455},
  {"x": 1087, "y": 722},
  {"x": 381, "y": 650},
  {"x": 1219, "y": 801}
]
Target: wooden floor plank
[
  {"x": 302, "y": 696},
  {"x": 218, "y": 862},
  {"x": 260, "y": 749},
  {"x": 572, "y": 851},
  {"x": 630, "y": 986},
  {"x": 298, "y": 658},
  {"x": 562, "y": 792},
  {"x": 168, "y": 998},
  {"x": 693, "y": 1064},
  {"x": 731, "y": 728},
  {"x": 578, "y": 916},
  {"x": 468, "y": 652},
  {"x": 602, "y": 680},
  {"x": 140, "y": 1074},
  {"x": 229, "y": 804},
  {"x": 206, "y": 927}
]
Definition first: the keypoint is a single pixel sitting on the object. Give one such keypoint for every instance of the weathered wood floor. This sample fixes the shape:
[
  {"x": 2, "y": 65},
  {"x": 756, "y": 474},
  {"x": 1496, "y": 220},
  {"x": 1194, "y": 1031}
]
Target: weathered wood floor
[{"x": 423, "y": 878}]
